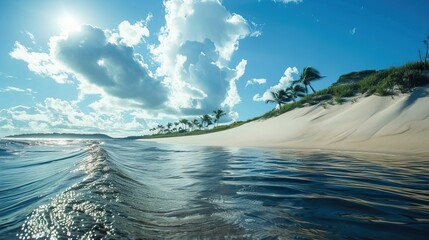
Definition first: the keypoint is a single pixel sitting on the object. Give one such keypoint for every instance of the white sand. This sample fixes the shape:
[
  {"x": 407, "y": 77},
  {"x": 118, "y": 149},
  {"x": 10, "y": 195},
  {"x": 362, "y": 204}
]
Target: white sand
[{"x": 372, "y": 124}]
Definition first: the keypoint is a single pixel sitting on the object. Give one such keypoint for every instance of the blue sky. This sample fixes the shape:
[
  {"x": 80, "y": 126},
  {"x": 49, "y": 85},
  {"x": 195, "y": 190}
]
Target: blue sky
[{"x": 121, "y": 67}]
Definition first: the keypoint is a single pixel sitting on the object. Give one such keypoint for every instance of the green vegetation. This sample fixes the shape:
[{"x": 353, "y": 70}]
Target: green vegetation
[
  {"x": 353, "y": 77},
  {"x": 217, "y": 115},
  {"x": 185, "y": 127},
  {"x": 387, "y": 82},
  {"x": 308, "y": 75},
  {"x": 391, "y": 81},
  {"x": 295, "y": 91},
  {"x": 280, "y": 97},
  {"x": 191, "y": 133},
  {"x": 206, "y": 120}
]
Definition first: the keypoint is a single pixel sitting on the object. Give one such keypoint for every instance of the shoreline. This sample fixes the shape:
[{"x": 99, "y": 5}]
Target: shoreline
[{"x": 385, "y": 125}]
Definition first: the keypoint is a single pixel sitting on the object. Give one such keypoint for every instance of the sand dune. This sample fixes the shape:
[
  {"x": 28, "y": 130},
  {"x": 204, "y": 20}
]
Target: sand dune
[{"x": 371, "y": 124}]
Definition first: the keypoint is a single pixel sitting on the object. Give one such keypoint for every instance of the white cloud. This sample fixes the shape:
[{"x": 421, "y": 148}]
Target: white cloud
[
  {"x": 100, "y": 66},
  {"x": 31, "y": 36},
  {"x": 28, "y": 115},
  {"x": 7, "y": 76},
  {"x": 284, "y": 82},
  {"x": 353, "y": 31},
  {"x": 132, "y": 35},
  {"x": 6, "y": 124},
  {"x": 191, "y": 20},
  {"x": 116, "y": 69},
  {"x": 195, "y": 49},
  {"x": 194, "y": 74},
  {"x": 232, "y": 97},
  {"x": 16, "y": 89},
  {"x": 259, "y": 81},
  {"x": 39, "y": 63},
  {"x": 57, "y": 115},
  {"x": 288, "y": 1}
]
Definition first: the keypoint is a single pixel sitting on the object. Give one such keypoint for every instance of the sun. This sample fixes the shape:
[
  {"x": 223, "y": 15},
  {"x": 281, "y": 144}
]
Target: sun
[{"x": 69, "y": 23}]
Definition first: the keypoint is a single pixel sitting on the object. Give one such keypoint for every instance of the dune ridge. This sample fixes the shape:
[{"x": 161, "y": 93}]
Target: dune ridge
[{"x": 398, "y": 124}]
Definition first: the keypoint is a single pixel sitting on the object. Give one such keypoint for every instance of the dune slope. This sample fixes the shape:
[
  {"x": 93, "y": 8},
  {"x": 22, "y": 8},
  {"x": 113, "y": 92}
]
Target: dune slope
[{"x": 372, "y": 124}]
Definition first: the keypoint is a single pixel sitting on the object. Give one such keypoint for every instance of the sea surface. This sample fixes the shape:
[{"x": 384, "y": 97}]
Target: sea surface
[{"x": 125, "y": 189}]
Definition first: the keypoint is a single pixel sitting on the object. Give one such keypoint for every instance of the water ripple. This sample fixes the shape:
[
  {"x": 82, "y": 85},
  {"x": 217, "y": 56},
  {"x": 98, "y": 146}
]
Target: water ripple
[{"x": 131, "y": 190}]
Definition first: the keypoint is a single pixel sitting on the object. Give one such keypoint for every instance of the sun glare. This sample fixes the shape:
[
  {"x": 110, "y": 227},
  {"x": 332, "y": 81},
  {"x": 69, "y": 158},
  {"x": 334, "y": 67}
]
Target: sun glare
[{"x": 69, "y": 23}]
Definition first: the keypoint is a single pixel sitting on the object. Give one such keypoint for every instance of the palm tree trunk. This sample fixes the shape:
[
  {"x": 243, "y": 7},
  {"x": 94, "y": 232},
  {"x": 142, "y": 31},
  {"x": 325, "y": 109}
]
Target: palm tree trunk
[
  {"x": 426, "y": 42},
  {"x": 311, "y": 88},
  {"x": 420, "y": 56}
]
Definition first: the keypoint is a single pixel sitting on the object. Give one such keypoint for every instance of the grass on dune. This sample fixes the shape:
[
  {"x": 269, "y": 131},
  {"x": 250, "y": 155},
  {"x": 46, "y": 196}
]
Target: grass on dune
[
  {"x": 369, "y": 82},
  {"x": 381, "y": 83}
]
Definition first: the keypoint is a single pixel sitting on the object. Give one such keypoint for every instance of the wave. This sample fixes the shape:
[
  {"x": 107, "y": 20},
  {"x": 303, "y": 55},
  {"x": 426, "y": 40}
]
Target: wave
[
  {"x": 131, "y": 189},
  {"x": 81, "y": 210}
]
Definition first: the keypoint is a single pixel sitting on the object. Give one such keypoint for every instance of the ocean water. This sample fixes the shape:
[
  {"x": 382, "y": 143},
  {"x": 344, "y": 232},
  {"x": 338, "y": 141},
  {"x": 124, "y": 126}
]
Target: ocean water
[{"x": 123, "y": 189}]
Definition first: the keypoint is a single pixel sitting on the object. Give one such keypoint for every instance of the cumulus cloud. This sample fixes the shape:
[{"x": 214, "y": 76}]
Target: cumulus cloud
[
  {"x": 259, "y": 81},
  {"x": 232, "y": 96},
  {"x": 39, "y": 63},
  {"x": 6, "y": 124},
  {"x": 61, "y": 116},
  {"x": 132, "y": 35},
  {"x": 194, "y": 74},
  {"x": 200, "y": 20},
  {"x": 284, "y": 82},
  {"x": 288, "y": 1},
  {"x": 194, "y": 52},
  {"x": 101, "y": 61},
  {"x": 115, "y": 68}
]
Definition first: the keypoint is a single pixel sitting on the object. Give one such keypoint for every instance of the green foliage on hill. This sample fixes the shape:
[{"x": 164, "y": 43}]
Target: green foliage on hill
[
  {"x": 369, "y": 82},
  {"x": 392, "y": 80},
  {"x": 382, "y": 83},
  {"x": 353, "y": 77}
]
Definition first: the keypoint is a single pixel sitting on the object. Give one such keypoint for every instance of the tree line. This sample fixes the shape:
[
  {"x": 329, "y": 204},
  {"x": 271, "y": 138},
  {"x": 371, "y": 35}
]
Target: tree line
[{"x": 185, "y": 125}]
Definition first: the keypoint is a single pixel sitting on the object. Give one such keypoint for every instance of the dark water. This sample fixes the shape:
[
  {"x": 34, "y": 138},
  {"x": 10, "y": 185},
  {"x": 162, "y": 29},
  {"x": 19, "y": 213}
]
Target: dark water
[{"x": 137, "y": 190}]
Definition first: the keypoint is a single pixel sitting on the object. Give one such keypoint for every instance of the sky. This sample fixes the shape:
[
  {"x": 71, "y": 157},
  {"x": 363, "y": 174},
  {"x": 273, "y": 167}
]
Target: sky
[{"x": 123, "y": 67}]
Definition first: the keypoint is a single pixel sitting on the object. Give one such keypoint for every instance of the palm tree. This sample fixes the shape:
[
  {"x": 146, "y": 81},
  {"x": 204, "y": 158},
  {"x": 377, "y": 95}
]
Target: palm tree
[
  {"x": 169, "y": 125},
  {"x": 160, "y": 129},
  {"x": 196, "y": 123},
  {"x": 280, "y": 97},
  {"x": 308, "y": 75},
  {"x": 426, "y": 43},
  {"x": 217, "y": 115},
  {"x": 184, "y": 122},
  {"x": 206, "y": 120},
  {"x": 295, "y": 91},
  {"x": 190, "y": 126}
]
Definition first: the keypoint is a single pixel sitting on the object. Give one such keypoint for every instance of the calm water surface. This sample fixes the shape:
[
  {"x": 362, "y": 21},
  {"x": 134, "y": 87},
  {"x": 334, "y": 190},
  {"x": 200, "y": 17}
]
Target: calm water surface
[{"x": 122, "y": 189}]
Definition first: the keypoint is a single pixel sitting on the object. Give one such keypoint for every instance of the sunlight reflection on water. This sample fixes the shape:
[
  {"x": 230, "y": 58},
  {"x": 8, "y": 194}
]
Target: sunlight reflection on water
[{"x": 132, "y": 189}]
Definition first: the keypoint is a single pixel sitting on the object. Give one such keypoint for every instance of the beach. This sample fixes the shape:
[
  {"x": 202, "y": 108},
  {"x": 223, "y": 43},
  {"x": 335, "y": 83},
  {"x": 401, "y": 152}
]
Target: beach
[{"x": 389, "y": 124}]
